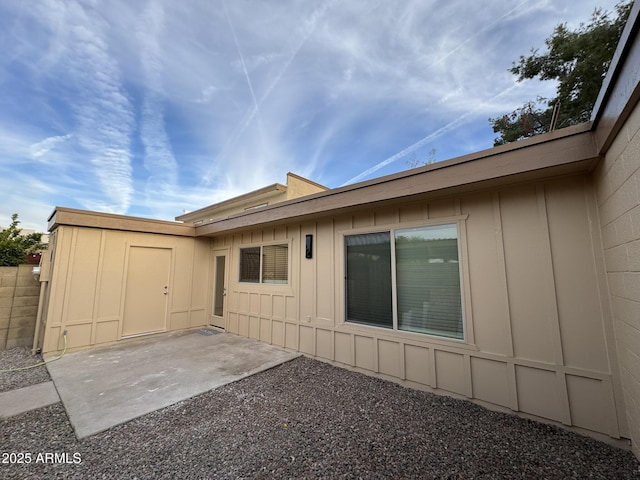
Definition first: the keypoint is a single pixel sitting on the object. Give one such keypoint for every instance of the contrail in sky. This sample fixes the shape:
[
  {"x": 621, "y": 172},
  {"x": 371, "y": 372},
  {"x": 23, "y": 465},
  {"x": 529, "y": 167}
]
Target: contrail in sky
[
  {"x": 244, "y": 66},
  {"x": 487, "y": 27},
  {"x": 256, "y": 104},
  {"x": 438, "y": 133},
  {"x": 450, "y": 125}
]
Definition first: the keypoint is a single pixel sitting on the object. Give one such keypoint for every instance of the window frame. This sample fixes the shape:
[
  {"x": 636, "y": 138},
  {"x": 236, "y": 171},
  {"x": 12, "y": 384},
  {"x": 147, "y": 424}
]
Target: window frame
[
  {"x": 465, "y": 300},
  {"x": 261, "y": 245}
]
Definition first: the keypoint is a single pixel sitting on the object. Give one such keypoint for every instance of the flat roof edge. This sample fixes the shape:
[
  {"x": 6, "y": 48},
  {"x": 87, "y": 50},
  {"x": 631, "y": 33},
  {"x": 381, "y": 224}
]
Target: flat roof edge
[
  {"x": 558, "y": 149},
  {"x": 620, "y": 89},
  {"x": 554, "y": 135},
  {"x": 274, "y": 188},
  {"x": 62, "y": 216}
]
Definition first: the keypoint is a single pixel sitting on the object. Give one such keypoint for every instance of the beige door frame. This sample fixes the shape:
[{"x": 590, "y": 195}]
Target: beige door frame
[{"x": 219, "y": 287}]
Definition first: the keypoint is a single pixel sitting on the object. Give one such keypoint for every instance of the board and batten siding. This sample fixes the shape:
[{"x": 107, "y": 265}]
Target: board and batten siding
[
  {"x": 86, "y": 294},
  {"x": 538, "y": 333}
]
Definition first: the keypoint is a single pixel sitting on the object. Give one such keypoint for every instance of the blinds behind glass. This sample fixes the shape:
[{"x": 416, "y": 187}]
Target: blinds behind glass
[
  {"x": 368, "y": 279},
  {"x": 275, "y": 263},
  {"x": 428, "y": 281},
  {"x": 267, "y": 264},
  {"x": 250, "y": 264}
]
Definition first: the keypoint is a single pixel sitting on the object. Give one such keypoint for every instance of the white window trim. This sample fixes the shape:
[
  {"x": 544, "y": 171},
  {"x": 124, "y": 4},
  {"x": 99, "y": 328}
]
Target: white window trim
[
  {"x": 465, "y": 289},
  {"x": 288, "y": 242}
]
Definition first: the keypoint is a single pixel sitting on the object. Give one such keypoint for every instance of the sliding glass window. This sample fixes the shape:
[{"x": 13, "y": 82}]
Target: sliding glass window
[
  {"x": 419, "y": 272},
  {"x": 266, "y": 264}
]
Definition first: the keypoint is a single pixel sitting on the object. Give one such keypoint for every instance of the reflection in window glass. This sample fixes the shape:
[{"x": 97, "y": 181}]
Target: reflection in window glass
[
  {"x": 267, "y": 264},
  {"x": 275, "y": 263},
  {"x": 250, "y": 264},
  {"x": 368, "y": 286},
  {"x": 428, "y": 280}
]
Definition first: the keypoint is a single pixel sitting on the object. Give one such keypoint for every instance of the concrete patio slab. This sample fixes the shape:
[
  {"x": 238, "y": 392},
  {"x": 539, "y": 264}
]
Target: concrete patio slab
[
  {"x": 103, "y": 387},
  {"x": 24, "y": 399}
]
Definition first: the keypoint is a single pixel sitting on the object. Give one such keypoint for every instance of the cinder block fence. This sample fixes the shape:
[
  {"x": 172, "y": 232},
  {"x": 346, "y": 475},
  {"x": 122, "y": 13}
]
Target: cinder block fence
[{"x": 19, "y": 294}]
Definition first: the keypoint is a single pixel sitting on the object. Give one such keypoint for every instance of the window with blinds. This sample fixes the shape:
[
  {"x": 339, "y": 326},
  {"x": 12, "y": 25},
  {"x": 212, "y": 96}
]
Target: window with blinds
[
  {"x": 265, "y": 264},
  {"x": 428, "y": 281},
  {"x": 419, "y": 272},
  {"x": 250, "y": 264},
  {"x": 275, "y": 263},
  {"x": 369, "y": 297}
]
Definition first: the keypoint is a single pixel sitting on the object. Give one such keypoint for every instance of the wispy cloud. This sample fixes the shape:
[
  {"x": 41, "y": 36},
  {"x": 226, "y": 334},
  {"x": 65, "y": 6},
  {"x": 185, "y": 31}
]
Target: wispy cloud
[
  {"x": 472, "y": 36},
  {"x": 239, "y": 50},
  {"x": 307, "y": 27},
  {"x": 38, "y": 150},
  {"x": 103, "y": 115},
  {"x": 159, "y": 160},
  {"x": 14, "y": 146},
  {"x": 152, "y": 107},
  {"x": 207, "y": 94},
  {"x": 426, "y": 140}
]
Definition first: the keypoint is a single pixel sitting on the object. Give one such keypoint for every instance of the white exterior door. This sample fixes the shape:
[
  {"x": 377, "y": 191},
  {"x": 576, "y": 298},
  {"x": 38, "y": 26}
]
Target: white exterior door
[{"x": 219, "y": 297}]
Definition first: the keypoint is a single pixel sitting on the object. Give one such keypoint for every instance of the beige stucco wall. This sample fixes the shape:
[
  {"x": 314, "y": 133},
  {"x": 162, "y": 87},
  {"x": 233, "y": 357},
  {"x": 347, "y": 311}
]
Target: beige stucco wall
[
  {"x": 539, "y": 338},
  {"x": 618, "y": 191},
  {"x": 299, "y": 187},
  {"x": 86, "y": 293},
  {"x": 19, "y": 293}
]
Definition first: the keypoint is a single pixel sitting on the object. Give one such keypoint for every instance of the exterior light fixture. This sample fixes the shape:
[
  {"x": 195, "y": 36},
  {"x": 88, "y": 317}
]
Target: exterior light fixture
[{"x": 308, "y": 251}]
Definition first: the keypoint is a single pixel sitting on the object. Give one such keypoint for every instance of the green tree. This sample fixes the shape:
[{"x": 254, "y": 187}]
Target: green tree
[
  {"x": 578, "y": 60},
  {"x": 14, "y": 246}
]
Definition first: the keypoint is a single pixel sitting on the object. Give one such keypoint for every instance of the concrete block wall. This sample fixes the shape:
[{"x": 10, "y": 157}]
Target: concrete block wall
[
  {"x": 618, "y": 189},
  {"x": 19, "y": 295}
]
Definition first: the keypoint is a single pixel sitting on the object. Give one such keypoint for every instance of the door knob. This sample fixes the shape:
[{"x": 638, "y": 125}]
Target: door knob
[{"x": 166, "y": 290}]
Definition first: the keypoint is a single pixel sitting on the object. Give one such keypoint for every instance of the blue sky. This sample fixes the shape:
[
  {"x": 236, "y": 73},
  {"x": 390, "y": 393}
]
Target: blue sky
[{"x": 151, "y": 108}]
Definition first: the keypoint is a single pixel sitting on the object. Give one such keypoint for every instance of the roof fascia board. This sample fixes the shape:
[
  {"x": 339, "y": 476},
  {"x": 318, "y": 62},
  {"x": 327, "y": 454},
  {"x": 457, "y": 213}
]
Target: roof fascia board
[
  {"x": 560, "y": 148},
  {"x": 85, "y": 218},
  {"x": 620, "y": 90}
]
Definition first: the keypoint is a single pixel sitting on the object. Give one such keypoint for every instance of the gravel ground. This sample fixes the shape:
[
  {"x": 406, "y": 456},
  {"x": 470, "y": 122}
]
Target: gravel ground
[
  {"x": 16, "y": 358},
  {"x": 307, "y": 419}
]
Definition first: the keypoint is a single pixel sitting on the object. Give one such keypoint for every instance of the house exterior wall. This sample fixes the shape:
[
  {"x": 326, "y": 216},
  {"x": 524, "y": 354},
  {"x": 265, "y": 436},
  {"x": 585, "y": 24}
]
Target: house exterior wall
[
  {"x": 617, "y": 179},
  {"x": 537, "y": 329},
  {"x": 87, "y": 284},
  {"x": 299, "y": 187}
]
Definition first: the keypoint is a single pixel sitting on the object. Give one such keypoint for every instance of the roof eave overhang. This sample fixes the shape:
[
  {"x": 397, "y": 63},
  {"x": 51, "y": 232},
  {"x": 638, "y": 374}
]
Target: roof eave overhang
[
  {"x": 84, "y": 218},
  {"x": 620, "y": 90},
  {"x": 565, "y": 151},
  {"x": 257, "y": 195}
]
